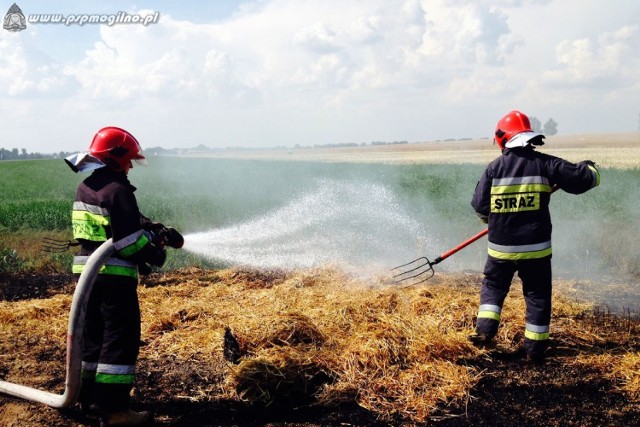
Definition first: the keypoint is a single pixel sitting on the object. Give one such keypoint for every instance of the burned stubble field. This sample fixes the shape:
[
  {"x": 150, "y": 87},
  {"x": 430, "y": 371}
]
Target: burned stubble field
[
  {"x": 319, "y": 348},
  {"x": 321, "y": 344}
]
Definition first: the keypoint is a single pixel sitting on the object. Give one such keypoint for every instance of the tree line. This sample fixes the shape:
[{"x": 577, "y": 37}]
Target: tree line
[
  {"x": 22, "y": 154},
  {"x": 550, "y": 126}
]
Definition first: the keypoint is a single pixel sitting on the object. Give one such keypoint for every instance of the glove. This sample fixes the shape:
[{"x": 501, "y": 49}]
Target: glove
[
  {"x": 172, "y": 237},
  {"x": 154, "y": 255},
  {"x": 149, "y": 225},
  {"x": 483, "y": 218},
  {"x": 144, "y": 269},
  {"x": 167, "y": 236}
]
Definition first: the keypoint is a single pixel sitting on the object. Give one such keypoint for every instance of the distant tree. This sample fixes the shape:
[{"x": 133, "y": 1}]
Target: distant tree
[
  {"x": 536, "y": 125},
  {"x": 550, "y": 127}
]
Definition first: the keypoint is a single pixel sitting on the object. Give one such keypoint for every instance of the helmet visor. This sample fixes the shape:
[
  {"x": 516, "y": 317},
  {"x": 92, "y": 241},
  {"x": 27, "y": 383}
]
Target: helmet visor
[
  {"x": 139, "y": 158},
  {"x": 522, "y": 139},
  {"x": 142, "y": 161}
]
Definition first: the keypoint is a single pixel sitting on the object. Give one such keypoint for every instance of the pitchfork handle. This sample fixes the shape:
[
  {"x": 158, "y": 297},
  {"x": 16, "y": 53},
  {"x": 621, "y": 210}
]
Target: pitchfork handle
[{"x": 461, "y": 246}]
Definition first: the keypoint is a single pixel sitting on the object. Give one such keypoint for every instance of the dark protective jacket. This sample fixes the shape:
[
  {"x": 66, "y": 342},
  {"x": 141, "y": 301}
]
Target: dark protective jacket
[
  {"x": 514, "y": 193},
  {"x": 105, "y": 207}
]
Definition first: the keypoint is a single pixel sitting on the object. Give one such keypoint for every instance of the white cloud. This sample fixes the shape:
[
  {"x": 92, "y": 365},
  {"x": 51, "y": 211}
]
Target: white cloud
[
  {"x": 330, "y": 71},
  {"x": 25, "y": 71},
  {"x": 597, "y": 59}
]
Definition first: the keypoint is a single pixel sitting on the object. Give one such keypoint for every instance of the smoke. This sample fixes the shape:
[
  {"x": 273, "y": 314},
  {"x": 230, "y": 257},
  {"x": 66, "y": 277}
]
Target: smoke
[{"x": 357, "y": 224}]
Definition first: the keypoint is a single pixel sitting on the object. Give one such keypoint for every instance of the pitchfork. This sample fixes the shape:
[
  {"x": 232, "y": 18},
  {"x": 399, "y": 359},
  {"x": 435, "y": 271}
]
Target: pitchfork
[
  {"x": 424, "y": 267},
  {"x": 56, "y": 246}
]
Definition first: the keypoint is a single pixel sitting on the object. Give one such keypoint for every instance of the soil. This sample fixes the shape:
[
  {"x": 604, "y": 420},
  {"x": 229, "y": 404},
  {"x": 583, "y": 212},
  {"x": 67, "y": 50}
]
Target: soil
[{"x": 512, "y": 391}]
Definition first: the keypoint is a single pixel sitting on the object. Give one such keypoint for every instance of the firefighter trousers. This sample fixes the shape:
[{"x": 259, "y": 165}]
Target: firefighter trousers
[
  {"x": 536, "y": 287},
  {"x": 111, "y": 342}
]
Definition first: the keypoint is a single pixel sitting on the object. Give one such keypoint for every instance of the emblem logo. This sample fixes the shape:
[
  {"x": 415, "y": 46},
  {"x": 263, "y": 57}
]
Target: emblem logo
[{"x": 14, "y": 20}]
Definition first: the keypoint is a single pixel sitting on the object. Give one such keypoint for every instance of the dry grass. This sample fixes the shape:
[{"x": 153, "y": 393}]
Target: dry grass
[
  {"x": 320, "y": 333},
  {"x": 28, "y": 247},
  {"x": 316, "y": 335}
]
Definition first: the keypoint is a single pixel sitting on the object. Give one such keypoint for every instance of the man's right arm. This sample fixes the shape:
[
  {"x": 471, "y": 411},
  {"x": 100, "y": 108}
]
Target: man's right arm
[{"x": 575, "y": 178}]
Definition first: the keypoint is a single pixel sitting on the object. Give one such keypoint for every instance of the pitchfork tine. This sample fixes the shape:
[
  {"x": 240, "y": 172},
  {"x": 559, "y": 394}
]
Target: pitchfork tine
[
  {"x": 57, "y": 246},
  {"x": 415, "y": 275},
  {"x": 418, "y": 271},
  {"x": 410, "y": 262},
  {"x": 423, "y": 280},
  {"x": 413, "y": 269}
]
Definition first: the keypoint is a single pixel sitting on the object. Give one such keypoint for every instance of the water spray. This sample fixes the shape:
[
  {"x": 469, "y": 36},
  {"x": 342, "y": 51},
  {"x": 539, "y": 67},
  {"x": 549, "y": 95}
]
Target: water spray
[{"x": 355, "y": 224}]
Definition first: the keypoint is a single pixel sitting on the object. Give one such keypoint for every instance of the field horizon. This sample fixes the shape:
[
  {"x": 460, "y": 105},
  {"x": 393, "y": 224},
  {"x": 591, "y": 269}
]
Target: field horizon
[{"x": 617, "y": 150}]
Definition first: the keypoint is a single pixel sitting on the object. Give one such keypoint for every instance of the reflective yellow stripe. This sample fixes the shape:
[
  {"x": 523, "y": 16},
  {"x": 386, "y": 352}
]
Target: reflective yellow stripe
[
  {"x": 515, "y": 256},
  {"x": 536, "y": 336},
  {"x": 521, "y": 188},
  {"x": 115, "y": 270},
  {"x": 596, "y": 175},
  {"x": 489, "y": 315},
  {"x": 89, "y": 226}
]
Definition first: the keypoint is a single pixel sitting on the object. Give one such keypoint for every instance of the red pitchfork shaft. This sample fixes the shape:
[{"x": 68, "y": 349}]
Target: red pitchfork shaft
[{"x": 462, "y": 245}]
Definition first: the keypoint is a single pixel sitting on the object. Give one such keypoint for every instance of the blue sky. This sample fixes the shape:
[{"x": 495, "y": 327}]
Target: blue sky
[{"x": 285, "y": 72}]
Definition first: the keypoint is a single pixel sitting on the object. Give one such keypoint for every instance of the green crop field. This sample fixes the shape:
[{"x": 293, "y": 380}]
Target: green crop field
[{"x": 594, "y": 233}]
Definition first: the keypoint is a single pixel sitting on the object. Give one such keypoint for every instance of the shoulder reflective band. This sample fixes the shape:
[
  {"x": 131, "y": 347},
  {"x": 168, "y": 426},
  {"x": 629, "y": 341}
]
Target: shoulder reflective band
[
  {"x": 516, "y": 182},
  {"x": 489, "y": 311},
  {"x": 521, "y": 188},
  {"x": 536, "y": 332},
  {"x": 534, "y": 179},
  {"x": 89, "y": 222},
  {"x": 517, "y": 252}
]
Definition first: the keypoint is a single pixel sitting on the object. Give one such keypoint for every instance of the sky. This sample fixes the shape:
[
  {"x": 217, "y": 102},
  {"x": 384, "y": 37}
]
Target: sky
[{"x": 267, "y": 73}]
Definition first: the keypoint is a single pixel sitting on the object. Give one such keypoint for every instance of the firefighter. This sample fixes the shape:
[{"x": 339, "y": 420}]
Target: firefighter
[
  {"x": 513, "y": 196},
  {"x": 105, "y": 207}
]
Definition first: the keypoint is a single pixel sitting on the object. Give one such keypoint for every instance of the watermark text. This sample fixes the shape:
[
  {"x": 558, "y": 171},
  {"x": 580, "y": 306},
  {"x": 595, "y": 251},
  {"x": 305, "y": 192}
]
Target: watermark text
[{"x": 108, "y": 19}]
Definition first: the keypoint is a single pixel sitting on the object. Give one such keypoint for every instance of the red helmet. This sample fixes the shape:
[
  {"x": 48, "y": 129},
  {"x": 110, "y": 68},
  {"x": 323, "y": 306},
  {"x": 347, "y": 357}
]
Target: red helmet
[
  {"x": 116, "y": 148},
  {"x": 509, "y": 126}
]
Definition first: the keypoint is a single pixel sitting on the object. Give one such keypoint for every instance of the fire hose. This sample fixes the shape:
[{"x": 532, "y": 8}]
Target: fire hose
[{"x": 74, "y": 338}]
